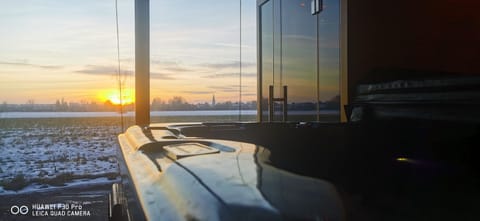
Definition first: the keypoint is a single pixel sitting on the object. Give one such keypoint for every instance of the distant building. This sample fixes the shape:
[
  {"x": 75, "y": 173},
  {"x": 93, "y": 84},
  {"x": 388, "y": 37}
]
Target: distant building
[{"x": 213, "y": 100}]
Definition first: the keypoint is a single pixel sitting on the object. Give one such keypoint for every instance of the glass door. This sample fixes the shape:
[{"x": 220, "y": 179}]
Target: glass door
[
  {"x": 299, "y": 60},
  {"x": 271, "y": 77},
  {"x": 329, "y": 61}
]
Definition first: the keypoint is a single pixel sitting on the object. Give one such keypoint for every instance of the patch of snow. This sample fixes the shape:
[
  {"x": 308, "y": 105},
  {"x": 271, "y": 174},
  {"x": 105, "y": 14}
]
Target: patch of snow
[
  {"x": 35, "y": 187},
  {"x": 39, "y": 151}
]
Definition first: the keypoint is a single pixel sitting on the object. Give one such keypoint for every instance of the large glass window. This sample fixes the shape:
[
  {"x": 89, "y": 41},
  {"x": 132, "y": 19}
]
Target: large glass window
[
  {"x": 300, "y": 52},
  {"x": 64, "y": 52},
  {"x": 299, "y": 59},
  {"x": 195, "y": 60},
  {"x": 329, "y": 61},
  {"x": 266, "y": 13},
  {"x": 59, "y": 101}
]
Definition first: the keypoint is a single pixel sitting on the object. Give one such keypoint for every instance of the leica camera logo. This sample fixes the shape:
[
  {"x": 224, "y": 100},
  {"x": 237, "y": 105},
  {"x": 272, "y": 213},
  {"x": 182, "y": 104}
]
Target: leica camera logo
[{"x": 19, "y": 210}]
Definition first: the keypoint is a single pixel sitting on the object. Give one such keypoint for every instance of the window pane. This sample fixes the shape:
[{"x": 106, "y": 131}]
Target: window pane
[
  {"x": 267, "y": 54},
  {"x": 329, "y": 58},
  {"x": 195, "y": 59},
  {"x": 299, "y": 51}
]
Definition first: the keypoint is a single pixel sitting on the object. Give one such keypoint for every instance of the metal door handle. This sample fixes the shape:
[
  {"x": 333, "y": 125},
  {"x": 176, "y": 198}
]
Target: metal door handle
[
  {"x": 316, "y": 6},
  {"x": 271, "y": 102}
]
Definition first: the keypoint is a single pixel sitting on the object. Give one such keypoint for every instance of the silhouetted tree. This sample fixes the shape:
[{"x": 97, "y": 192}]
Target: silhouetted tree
[
  {"x": 30, "y": 105},
  {"x": 4, "y": 107}
]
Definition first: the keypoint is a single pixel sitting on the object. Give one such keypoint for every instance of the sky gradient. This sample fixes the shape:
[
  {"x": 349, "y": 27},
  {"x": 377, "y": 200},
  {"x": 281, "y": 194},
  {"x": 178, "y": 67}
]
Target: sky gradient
[{"x": 54, "y": 49}]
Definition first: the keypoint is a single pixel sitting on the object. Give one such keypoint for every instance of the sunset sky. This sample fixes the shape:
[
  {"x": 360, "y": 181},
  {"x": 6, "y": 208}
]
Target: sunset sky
[{"x": 54, "y": 49}]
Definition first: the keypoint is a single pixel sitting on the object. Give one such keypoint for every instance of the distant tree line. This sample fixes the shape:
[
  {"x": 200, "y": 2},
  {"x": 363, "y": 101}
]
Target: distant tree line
[
  {"x": 175, "y": 103},
  {"x": 61, "y": 105},
  {"x": 179, "y": 103}
]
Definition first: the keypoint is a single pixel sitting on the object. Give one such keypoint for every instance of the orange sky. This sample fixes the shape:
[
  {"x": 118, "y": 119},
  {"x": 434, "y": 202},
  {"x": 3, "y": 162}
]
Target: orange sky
[{"x": 54, "y": 49}]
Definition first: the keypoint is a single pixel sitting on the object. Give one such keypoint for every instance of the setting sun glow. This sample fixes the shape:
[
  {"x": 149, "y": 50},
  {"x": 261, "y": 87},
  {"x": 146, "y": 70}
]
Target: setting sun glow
[
  {"x": 79, "y": 64},
  {"x": 114, "y": 97}
]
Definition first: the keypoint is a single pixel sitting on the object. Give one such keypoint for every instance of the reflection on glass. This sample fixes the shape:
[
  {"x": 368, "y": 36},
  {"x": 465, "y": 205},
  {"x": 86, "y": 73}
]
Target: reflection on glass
[
  {"x": 329, "y": 61},
  {"x": 301, "y": 51},
  {"x": 195, "y": 58},
  {"x": 299, "y": 64},
  {"x": 266, "y": 12}
]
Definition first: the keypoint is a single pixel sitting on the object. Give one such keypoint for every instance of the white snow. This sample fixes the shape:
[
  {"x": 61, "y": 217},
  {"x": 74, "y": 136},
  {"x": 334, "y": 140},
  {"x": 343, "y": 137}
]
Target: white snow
[
  {"x": 35, "y": 187},
  {"x": 41, "y": 152}
]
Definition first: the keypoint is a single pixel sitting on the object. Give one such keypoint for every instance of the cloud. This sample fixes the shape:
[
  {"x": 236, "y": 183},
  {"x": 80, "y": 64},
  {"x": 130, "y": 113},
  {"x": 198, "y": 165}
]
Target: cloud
[
  {"x": 111, "y": 70},
  {"x": 25, "y": 64},
  {"x": 161, "y": 76},
  {"x": 102, "y": 70},
  {"x": 249, "y": 94},
  {"x": 230, "y": 75},
  {"x": 171, "y": 66},
  {"x": 197, "y": 92},
  {"x": 176, "y": 69},
  {"x": 231, "y": 45},
  {"x": 164, "y": 62},
  {"x": 227, "y": 88},
  {"x": 234, "y": 64}
]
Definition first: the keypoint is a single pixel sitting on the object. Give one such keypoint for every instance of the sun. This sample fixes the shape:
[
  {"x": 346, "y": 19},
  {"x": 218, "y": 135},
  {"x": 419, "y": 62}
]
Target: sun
[{"x": 114, "y": 97}]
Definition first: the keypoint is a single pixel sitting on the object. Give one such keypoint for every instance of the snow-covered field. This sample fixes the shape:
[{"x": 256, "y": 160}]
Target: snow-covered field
[
  {"x": 45, "y": 153},
  {"x": 56, "y": 150}
]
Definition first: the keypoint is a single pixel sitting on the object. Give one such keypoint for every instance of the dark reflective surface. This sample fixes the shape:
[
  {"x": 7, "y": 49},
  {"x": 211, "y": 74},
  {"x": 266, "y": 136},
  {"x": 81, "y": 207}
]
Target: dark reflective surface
[
  {"x": 329, "y": 60},
  {"x": 299, "y": 54},
  {"x": 297, "y": 197},
  {"x": 240, "y": 181},
  {"x": 266, "y": 12},
  {"x": 301, "y": 51},
  {"x": 391, "y": 170}
]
